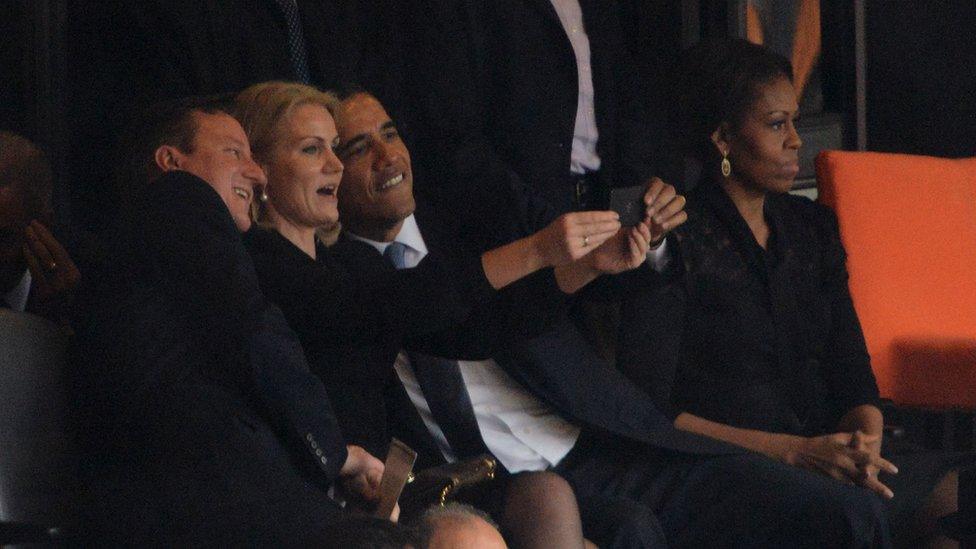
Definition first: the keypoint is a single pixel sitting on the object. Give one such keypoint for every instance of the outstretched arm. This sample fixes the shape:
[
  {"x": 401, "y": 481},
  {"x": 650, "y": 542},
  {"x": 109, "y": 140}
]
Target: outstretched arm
[{"x": 565, "y": 240}]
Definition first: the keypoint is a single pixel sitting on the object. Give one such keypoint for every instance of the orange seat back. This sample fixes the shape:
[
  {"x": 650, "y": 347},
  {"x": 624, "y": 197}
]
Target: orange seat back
[{"x": 908, "y": 224}]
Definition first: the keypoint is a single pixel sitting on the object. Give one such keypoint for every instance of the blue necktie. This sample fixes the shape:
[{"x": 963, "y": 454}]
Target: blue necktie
[
  {"x": 296, "y": 40},
  {"x": 443, "y": 387},
  {"x": 395, "y": 253}
]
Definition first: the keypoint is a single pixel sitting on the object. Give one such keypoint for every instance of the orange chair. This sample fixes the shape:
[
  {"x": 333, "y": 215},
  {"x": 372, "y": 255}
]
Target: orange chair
[{"x": 909, "y": 226}]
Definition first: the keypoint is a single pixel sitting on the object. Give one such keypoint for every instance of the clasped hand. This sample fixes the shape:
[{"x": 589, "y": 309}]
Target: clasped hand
[{"x": 848, "y": 457}]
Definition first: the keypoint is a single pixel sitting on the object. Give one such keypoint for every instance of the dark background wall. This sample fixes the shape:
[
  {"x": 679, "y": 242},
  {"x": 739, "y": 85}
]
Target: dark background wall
[
  {"x": 15, "y": 43},
  {"x": 921, "y": 76},
  {"x": 32, "y": 80},
  {"x": 921, "y": 69}
]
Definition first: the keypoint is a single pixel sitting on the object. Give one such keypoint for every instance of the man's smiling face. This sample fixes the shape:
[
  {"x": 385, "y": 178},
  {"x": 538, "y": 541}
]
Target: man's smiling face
[
  {"x": 376, "y": 193},
  {"x": 221, "y": 156}
]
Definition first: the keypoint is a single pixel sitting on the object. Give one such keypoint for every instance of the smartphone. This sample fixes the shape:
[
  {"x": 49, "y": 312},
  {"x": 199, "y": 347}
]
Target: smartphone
[{"x": 628, "y": 202}]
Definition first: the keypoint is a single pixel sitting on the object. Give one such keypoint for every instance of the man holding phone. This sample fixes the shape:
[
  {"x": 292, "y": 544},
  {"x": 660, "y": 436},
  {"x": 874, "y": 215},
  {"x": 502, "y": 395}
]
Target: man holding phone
[{"x": 545, "y": 401}]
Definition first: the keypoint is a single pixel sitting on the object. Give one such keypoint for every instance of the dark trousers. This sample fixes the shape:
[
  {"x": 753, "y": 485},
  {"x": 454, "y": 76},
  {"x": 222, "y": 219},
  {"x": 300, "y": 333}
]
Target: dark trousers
[
  {"x": 634, "y": 496},
  {"x": 206, "y": 472}
]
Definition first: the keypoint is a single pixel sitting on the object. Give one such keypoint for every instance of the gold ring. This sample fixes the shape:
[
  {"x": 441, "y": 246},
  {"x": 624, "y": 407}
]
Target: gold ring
[{"x": 586, "y": 240}]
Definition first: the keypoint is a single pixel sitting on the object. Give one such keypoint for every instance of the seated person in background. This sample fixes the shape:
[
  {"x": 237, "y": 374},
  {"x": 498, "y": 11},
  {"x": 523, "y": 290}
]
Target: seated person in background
[
  {"x": 749, "y": 335},
  {"x": 550, "y": 403},
  {"x": 201, "y": 420},
  {"x": 36, "y": 273},
  {"x": 450, "y": 526},
  {"x": 352, "y": 321}
]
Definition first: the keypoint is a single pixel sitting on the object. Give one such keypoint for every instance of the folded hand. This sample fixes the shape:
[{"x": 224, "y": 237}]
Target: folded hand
[{"x": 834, "y": 455}]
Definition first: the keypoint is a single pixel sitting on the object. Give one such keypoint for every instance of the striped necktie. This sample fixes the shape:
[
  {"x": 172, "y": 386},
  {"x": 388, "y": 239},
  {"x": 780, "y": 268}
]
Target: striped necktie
[
  {"x": 296, "y": 40},
  {"x": 443, "y": 387}
]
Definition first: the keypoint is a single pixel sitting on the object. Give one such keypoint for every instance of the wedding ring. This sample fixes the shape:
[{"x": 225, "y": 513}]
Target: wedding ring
[{"x": 586, "y": 240}]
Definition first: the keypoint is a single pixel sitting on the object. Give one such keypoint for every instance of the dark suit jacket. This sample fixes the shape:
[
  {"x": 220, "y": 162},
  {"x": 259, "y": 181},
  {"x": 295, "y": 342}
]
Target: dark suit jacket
[
  {"x": 546, "y": 353},
  {"x": 494, "y": 88},
  {"x": 352, "y": 311},
  {"x": 200, "y": 417},
  {"x": 757, "y": 339}
]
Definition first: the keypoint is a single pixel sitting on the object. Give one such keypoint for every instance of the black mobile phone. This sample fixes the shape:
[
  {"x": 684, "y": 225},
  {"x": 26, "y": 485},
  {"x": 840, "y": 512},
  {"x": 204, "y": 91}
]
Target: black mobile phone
[{"x": 628, "y": 202}]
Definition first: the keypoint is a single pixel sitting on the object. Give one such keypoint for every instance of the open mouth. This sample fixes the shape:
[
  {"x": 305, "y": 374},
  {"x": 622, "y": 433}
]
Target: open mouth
[
  {"x": 328, "y": 190},
  {"x": 243, "y": 193},
  {"x": 392, "y": 182}
]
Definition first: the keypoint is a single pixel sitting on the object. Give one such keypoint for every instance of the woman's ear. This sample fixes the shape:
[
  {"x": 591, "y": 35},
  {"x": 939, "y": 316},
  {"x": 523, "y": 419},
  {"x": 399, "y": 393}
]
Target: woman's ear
[
  {"x": 168, "y": 158},
  {"x": 720, "y": 138}
]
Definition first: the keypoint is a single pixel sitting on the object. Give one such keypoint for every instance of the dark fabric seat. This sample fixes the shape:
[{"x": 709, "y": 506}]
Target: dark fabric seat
[{"x": 38, "y": 482}]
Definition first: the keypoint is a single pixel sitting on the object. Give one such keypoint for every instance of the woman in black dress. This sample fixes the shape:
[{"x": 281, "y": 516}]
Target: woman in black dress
[{"x": 748, "y": 334}]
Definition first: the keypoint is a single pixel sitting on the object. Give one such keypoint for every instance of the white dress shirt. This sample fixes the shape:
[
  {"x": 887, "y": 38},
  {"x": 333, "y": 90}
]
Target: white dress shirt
[
  {"x": 524, "y": 433},
  {"x": 584, "y": 157},
  {"x": 658, "y": 258},
  {"x": 17, "y": 296}
]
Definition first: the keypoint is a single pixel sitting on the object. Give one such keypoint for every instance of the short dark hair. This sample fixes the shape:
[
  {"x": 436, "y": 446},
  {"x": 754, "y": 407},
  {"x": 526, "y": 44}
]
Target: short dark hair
[
  {"x": 21, "y": 161},
  {"x": 345, "y": 90},
  {"x": 716, "y": 81},
  {"x": 165, "y": 123}
]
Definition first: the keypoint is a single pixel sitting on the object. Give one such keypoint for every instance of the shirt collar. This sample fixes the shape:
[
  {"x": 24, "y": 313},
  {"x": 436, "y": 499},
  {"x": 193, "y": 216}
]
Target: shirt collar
[
  {"x": 17, "y": 296},
  {"x": 409, "y": 235}
]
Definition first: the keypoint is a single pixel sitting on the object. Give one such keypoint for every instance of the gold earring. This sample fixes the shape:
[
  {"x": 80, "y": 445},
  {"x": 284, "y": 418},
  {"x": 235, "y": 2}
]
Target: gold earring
[
  {"x": 264, "y": 196},
  {"x": 726, "y": 165}
]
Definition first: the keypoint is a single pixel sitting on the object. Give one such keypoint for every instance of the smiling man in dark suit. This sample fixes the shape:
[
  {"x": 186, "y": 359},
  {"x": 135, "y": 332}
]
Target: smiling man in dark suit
[
  {"x": 202, "y": 423},
  {"x": 549, "y": 403}
]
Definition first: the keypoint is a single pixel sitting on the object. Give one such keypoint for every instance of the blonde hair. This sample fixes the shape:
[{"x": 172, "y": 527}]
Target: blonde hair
[{"x": 261, "y": 109}]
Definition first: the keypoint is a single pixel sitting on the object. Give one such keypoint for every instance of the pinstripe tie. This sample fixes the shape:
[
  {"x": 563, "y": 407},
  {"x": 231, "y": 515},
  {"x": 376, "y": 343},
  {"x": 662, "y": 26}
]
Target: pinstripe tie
[
  {"x": 296, "y": 40},
  {"x": 443, "y": 386}
]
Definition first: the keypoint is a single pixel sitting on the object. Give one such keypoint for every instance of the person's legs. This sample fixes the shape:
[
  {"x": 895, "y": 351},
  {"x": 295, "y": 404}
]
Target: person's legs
[
  {"x": 540, "y": 511},
  {"x": 612, "y": 517},
  {"x": 750, "y": 501},
  {"x": 620, "y": 523},
  {"x": 924, "y": 526},
  {"x": 742, "y": 500}
]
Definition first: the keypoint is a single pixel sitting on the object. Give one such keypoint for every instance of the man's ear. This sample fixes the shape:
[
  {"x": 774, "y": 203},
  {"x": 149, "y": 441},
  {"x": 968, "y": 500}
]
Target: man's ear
[
  {"x": 168, "y": 158},
  {"x": 720, "y": 138}
]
